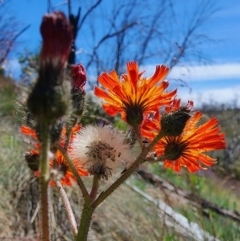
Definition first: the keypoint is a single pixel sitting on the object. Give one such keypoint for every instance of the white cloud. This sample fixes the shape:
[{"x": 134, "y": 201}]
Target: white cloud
[
  {"x": 208, "y": 72},
  {"x": 229, "y": 95},
  {"x": 12, "y": 68},
  {"x": 202, "y": 72},
  {"x": 206, "y": 93}
]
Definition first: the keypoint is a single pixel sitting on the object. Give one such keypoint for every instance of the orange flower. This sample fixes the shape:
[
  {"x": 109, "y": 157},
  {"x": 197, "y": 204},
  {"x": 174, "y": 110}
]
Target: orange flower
[
  {"x": 188, "y": 149},
  {"x": 58, "y": 162},
  {"x": 60, "y": 165},
  {"x": 134, "y": 96},
  {"x": 32, "y": 133},
  {"x": 29, "y": 132}
]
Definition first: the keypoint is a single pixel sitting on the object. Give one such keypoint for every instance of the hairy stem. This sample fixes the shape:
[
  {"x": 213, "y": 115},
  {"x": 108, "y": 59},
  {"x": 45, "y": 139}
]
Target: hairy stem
[
  {"x": 75, "y": 173},
  {"x": 85, "y": 222},
  {"x": 68, "y": 208},
  {"x": 44, "y": 179},
  {"x": 137, "y": 134},
  {"x": 95, "y": 186}
]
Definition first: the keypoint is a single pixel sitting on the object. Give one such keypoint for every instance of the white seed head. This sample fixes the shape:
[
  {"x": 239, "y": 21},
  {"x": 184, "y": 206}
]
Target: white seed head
[{"x": 101, "y": 149}]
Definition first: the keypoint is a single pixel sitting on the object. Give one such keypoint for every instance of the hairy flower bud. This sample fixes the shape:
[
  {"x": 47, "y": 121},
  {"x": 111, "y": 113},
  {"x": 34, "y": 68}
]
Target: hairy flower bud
[
  {"x": 173, "y": 123},
  {"x": 55, "y": 134},
  {"x": 32, "y": 159},
  {"x": 79, "y": 79},
  {"x": 50, "y": 96},
  {"x": 48, "y": 103},
  {"x": 56, "y": 32}
]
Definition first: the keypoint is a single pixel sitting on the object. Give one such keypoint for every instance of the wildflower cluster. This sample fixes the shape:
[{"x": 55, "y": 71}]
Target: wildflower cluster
[
  {"x": 63, "y": 151},
  {"x": 139, "y": 101}
]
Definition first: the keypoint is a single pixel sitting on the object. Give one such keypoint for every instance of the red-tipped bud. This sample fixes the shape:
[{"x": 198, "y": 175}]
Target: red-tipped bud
[
  {"x": 49, "y": 98},
  {"x": 79, "y": 77},
  {"x": 56, "y": 32}
]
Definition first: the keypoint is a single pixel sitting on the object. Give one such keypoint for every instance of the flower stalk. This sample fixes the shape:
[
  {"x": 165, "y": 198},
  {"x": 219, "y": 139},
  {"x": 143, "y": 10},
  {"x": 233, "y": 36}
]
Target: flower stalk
[
  {"x": 84, "y": 226},
  {"x": 75, "y": 173},
  {"x": 68, "y": 208},
  {"x": 95, "y": 186},
  {"x": 44, "y": 180}
]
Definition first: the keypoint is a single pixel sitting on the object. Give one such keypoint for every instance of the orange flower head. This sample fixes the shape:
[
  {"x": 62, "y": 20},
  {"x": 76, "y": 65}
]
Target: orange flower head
[
  {"x": 188, "y": 148},
  {"x": 134, "y": 96},
  {"x": 63, "y": 172},
  {"x": 29, "y": 132},
  {"x": 58, "y": 164}
]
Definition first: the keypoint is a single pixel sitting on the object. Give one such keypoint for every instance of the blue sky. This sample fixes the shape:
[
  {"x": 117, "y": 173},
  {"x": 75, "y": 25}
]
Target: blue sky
[{"x": 218, "y": 80}]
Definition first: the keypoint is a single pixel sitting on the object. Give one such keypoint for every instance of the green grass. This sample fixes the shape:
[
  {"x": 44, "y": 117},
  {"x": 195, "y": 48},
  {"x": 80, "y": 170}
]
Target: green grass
[
  {"x": 7, "y": 97},
  {"x": 218, "y": 226}
]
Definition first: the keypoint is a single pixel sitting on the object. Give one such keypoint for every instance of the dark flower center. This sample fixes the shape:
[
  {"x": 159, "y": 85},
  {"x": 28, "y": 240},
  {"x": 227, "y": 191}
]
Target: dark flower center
[
  {"x": 100, "y": 151},
  {"x": 174, "y": 148},
  {"x": 134, "y": 113}
]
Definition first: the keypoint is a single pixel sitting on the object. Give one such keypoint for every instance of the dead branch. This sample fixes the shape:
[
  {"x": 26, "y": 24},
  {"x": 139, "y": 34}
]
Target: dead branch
[
  {"x": 196, "y": 201},
  {"x": 11, "y": 42},
  {"x": 176, "y": 220}
]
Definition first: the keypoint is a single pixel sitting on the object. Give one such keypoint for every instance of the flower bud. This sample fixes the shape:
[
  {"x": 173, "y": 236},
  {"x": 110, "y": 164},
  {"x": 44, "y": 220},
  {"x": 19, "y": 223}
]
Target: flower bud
[
  {"x": 56, "y": 32},
  {"x": 50, "y": 102},
  {"x": 79, "y": 77},
  {"x": 78, "y": 88},
  {"x": 173, "y": 123},
  {"x": 32, "y": 159},
  {"x": 50, "y": 96},
  {"x": 55, "y": 133}
]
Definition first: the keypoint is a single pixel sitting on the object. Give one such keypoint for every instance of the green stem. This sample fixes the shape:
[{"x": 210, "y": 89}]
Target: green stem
[
  {"x": 44, "y": 187},
  {"x": 127, "y": 173},
  {"x": 95, "y": 186},
  {"x": 85, "y": 222}
]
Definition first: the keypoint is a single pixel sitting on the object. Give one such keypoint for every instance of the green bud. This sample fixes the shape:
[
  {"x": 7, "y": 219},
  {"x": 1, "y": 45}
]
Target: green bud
[
  {"x": 50, "y": 96},
  {"x": 173, "y": 123},
  {"x": 49, "y": 102},
  {"x": 32, "y": 159}
]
